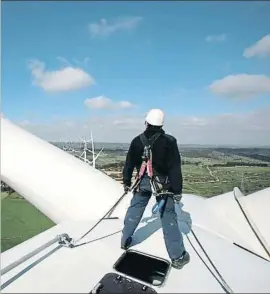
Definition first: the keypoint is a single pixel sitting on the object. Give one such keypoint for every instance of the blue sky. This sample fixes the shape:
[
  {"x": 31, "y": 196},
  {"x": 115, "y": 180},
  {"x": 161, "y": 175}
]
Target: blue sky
[{"x": 147, "y": 54}]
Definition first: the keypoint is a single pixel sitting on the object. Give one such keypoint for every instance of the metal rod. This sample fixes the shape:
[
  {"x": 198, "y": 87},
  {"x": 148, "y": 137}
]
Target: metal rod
[{"x": 30, "y": 254}]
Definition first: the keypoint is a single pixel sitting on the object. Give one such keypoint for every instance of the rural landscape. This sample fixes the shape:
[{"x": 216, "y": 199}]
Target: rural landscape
[{"x": 207, "y": 171}]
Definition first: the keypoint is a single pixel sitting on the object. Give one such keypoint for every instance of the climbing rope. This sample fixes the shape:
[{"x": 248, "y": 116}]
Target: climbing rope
[
  {"x": 213, "y": 274},
  {"x": 225, "y": 286},
  {"x": 72, "y": 243},
  {"x": 251, "y": 226}
]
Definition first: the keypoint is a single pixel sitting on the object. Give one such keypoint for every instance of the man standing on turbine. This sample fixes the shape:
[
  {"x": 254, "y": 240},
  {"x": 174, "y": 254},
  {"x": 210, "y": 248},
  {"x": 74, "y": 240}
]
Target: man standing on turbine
[{"x": 157, "y": 160}]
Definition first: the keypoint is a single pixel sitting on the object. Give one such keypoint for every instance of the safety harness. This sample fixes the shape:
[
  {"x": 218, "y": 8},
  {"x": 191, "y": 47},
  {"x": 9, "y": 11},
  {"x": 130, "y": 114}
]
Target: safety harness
[
  {"x": 147, "y": 157},
  {"x": 159, "y": 188}
]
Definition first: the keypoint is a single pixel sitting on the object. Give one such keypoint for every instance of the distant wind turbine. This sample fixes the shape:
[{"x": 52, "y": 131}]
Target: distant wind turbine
[{"x": 85, "y": 149}]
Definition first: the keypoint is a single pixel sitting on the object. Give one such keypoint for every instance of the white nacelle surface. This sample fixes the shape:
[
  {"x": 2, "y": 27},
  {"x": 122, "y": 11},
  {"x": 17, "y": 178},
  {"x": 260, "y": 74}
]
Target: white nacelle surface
[
  {"x": 256, "y": 206},
  {"x": 227, "y": 210},
  {"x": 79, "y": 269}
]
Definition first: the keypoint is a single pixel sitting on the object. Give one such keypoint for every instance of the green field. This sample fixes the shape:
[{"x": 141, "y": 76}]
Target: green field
[
  {"x": 20, "y": 221},
  {"x": 249, "y": 179}
]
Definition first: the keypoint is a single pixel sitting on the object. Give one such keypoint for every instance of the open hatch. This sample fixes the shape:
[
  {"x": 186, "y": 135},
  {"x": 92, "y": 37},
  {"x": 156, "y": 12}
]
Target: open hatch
[{"x": 142, "y": 266}]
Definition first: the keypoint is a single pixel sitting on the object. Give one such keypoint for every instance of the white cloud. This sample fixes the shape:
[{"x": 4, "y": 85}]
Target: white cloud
[
  {"x": 241, "y": 86},
  {"x": 260, "y": 48},
  {"x": 229, "y": 128},
  {"x": 65, "y": 79},
  {"x": 216, "y": 38},
  {"x": 105, "y": 27},
  {"x": 102, "y": 102},
  {"x": 125, "y": 104}
]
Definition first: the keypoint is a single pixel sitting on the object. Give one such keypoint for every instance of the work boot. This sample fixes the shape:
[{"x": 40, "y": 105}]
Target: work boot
[
  {"x": 181, "y": 261},
  {"x": 127, "y": 243}
]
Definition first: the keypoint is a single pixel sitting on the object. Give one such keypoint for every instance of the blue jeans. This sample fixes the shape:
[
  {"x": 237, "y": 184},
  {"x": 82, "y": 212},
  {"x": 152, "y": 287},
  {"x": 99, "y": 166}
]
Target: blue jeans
[{"x": 172, "y": 235}]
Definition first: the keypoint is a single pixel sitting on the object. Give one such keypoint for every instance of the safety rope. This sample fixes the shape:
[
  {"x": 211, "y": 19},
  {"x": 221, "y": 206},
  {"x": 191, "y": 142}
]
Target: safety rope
[
  {"x": 225, "y": 285},
  {"x": 134, "y": 186},
  {"x": 73, "y": 242},
  {"x": 250, "y": 225},
  {"x": 213, "y": 274}
]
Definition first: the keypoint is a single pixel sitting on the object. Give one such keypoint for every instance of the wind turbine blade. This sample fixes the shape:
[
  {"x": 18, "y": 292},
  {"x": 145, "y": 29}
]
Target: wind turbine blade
[
  {"x": 98, "y": 153},
  {"x": 66, "y": 177},
  {"x": 90, "y": 162},
  {"x": 90, "y": 151},
  {"x": 81, "y": 139}
]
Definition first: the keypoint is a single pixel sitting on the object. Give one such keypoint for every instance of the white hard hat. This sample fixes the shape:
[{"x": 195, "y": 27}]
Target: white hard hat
[{"x": 155, "y": 117}]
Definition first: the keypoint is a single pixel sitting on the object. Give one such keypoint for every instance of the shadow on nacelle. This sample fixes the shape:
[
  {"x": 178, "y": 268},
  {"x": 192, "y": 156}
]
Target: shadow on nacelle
[{"x": 153, "y": 224}]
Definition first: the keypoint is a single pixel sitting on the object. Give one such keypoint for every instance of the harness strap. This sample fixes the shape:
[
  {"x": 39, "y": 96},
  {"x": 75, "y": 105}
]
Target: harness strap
[
  {"x": 149, "y": 142},
  {"x": 142, "y": 169},
  {"x": 147, "y": 162}
]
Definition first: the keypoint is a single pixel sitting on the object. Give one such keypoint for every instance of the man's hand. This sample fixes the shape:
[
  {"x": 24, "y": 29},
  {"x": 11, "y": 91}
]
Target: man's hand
[{"x": 177, "y": 198}]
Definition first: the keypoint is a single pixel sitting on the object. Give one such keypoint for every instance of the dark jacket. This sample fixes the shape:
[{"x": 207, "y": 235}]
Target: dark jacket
[{"x": 166, "y": 158}]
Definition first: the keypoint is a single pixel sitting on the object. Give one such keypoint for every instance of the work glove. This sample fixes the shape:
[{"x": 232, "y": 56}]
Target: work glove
[{"x": 177, "y": 198}]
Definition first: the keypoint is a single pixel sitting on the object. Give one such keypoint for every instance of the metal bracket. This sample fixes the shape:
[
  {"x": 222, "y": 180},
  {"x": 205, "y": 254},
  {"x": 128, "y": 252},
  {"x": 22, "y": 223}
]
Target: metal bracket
[
  {"x": 62, "y": 239},
  {"x": 66, "y": 241}
]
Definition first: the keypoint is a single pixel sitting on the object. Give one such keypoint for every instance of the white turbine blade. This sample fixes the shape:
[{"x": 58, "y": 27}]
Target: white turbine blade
[
  {"x": 92, "y": 141},
  {"x": 66, "y": 177},
  {"x": 81, "y": 139},
  {"x": 98, "y": 153},
  {"x": 82, "y": 158},
  {"x": 90, "y": 162},
  {"x": 90, "y": 151}
]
